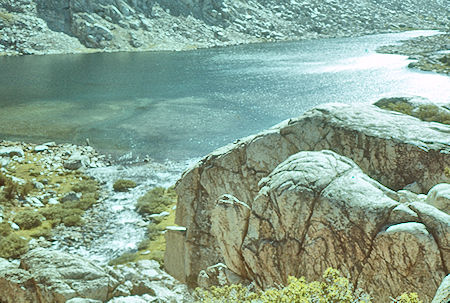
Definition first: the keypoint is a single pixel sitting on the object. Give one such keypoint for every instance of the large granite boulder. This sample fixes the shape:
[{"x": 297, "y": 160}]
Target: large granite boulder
[
  {"x": 318, "y": 210},
  {"x": 393, "y": 149}
]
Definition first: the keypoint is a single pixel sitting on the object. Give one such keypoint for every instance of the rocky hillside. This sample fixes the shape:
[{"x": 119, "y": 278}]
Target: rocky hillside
[{"x": 64, "y": 26}]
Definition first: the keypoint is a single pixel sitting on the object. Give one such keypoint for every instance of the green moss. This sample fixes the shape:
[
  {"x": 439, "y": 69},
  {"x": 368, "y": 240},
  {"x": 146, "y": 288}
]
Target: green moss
[
  {"x": 123, "y": 185},
  {"x": 28, "y": 219},
  {"x": 156, "y": 201},
  {"x": 13, "y": 246}
]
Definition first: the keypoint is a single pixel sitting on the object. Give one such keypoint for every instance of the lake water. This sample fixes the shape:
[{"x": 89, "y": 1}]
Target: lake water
[{"x": 182, "y": 105}]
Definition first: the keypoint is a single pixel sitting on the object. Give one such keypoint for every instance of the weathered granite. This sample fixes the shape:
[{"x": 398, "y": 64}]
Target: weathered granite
[{"x": 392, "y": 148}]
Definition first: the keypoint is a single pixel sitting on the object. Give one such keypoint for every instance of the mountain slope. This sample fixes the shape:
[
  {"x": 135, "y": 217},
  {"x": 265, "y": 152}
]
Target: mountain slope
[{"x": 60, "y": 26}]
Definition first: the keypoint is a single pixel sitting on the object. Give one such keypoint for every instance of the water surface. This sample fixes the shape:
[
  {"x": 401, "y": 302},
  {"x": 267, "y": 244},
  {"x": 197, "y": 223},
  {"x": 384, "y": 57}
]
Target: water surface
[{"x": 181, "y": 105}]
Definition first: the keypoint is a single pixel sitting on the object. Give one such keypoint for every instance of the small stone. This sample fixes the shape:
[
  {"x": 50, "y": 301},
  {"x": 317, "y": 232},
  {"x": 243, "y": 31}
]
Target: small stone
[
  {"x": 14, "y": 226},
  {"x": 72, "y": 196},
  {"x": 53, "y": 201},
  {"x": 40, "y": 148},
  {"x": 35, "y": 202}
]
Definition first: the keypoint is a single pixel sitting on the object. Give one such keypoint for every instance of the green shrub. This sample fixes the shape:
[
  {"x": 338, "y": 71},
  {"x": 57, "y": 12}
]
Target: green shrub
[
  {"x": 5, "y": 229},
  {"x": 156, "y": 201},
  {"x": 447, "y": 172},
  {"x": 28, "y": 219},
  {"x": 408, "y": 298},
  {"x": 83, "y": 204},
  {"x": 86, "y": 186},
  {"x": 73, "y": 220},
  {"x": 123, "y": 185},
  {"x": 333, "y": 288},
  {"x": 58, "y": 212},
  {"x": 13, "y": 246}
]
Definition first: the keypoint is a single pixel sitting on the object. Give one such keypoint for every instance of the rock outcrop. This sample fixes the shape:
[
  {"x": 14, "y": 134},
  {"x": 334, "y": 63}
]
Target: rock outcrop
[
  {"x": 266, "y": 228},
  {"x": 49, "y": 26},
  {"x": 48, "y": 276}
]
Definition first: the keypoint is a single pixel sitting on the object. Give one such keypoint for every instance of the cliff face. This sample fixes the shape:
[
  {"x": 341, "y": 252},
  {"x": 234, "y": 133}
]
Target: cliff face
[{"x": 49, "y": 26}]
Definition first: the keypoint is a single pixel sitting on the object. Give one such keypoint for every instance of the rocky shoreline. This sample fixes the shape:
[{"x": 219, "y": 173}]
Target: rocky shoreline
[
  {"x": 50, "y": 27},
  {"x": 429, "y": 53}
]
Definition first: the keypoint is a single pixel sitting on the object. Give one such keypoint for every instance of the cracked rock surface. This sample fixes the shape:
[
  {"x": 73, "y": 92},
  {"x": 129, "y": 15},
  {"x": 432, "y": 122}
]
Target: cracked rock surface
[
  {"x": 318, "y": 209},
  {"x": 52, "y": 276}
]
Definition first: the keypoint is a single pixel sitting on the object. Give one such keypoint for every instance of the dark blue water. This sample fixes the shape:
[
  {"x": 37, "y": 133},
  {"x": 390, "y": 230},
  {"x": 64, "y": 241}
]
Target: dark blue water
[{"x": 180, "y": 105}]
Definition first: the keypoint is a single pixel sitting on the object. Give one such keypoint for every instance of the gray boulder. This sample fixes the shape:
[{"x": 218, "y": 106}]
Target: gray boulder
[{"x": 59, "y": 276}]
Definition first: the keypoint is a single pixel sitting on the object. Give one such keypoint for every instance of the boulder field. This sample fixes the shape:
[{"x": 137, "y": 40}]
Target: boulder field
[{"x": 343, "y": 186}]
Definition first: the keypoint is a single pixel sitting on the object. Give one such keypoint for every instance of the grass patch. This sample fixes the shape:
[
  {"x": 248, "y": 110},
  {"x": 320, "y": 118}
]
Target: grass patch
[
  {"x": 123, "y": 185},
  {"x": 156, "y": 200},
  {"x": 13, "y": 246},
  {"x": 424, "y": 112},
  {"x": 86, "y": 186},
  {"x": 28, "y": 219}
]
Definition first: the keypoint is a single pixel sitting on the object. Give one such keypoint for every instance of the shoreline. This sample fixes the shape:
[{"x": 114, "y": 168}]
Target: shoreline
[{"x": 169, "y": 48}]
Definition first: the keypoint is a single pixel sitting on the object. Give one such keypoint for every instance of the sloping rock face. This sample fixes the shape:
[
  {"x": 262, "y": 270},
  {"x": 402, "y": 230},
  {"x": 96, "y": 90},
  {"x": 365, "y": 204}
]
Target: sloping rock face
[
  {"x": 392, "y": 148},
  {"x": 318, "y": 210},
  {"x": 46, "y": 26}
]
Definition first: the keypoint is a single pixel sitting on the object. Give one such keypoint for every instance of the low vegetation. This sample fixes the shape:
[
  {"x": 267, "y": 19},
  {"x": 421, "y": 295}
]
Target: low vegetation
[
  {"x": 156, "y": 201},
  {"x": 13, "y": 246},
  {"x": 123, "y": 185},
  {"x": 17, "y": 183},
  {"x": 28, "y": 219},
  {"x": 425, "y": 112},
  {"x": 332, "y": 288}
]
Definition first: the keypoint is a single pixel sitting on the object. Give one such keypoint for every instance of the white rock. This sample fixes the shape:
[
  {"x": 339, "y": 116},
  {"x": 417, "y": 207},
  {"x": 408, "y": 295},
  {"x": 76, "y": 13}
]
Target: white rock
[{"x": 439, "y": 197}]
